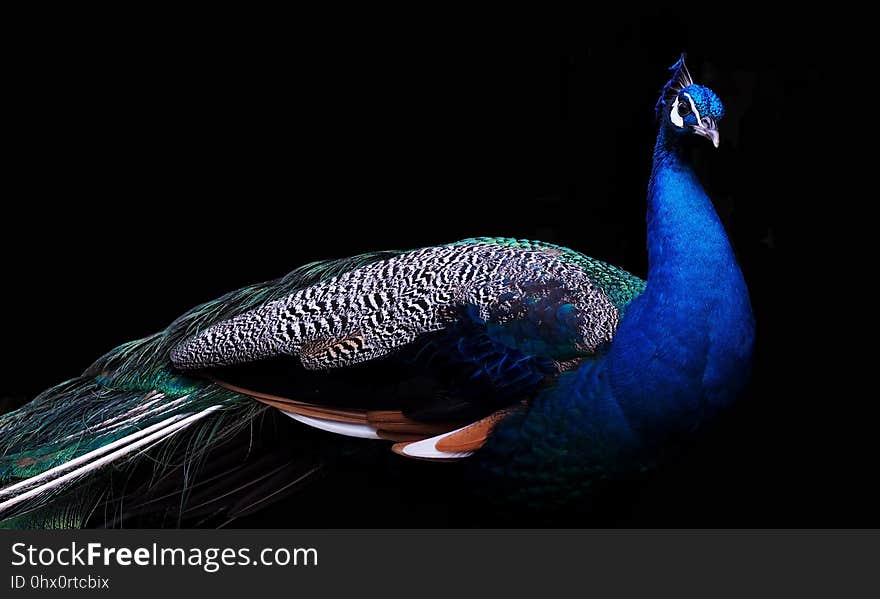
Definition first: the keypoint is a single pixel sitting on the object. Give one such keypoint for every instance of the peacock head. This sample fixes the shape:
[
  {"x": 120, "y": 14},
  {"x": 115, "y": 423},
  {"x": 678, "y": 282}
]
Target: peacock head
[{"x": 686, "y": 108}]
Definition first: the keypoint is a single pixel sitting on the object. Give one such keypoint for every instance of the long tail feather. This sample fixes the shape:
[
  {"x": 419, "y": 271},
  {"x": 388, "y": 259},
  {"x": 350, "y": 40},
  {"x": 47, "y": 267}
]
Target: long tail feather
[
  {"x": 66, "y": 473},
  {"x": 87, "y": 459}
]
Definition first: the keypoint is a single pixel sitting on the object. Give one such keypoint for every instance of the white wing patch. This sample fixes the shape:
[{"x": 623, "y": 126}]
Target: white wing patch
[
  {"x": 427, "y": 448},
  {"x": 348, "y": 429}
]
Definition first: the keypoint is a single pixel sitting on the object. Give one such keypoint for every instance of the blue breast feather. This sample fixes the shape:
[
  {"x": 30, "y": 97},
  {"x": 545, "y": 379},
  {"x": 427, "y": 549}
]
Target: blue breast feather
[{"x": 681, "y": 353}]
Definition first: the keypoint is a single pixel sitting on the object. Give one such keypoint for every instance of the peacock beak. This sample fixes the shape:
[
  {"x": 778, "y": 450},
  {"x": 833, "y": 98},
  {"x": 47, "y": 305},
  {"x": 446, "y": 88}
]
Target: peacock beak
[{"x": 709, "y": 130}]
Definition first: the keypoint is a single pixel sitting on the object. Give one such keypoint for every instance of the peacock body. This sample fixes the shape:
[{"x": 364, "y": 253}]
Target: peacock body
[{"x": 542, "y": 367}]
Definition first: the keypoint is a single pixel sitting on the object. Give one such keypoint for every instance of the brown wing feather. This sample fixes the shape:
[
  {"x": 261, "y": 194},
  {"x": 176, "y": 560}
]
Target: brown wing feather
[
  {"x": 392, "y": 425},
  {"x": 395, "y": 421},
  {"x": 472, "y": 437}
]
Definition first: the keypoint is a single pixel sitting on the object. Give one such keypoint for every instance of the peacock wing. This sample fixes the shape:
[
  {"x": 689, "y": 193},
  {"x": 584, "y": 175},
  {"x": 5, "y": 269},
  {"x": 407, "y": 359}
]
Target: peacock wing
[
  {"x": 460, "y": 331},
  {"x": 376, "y": 309}
]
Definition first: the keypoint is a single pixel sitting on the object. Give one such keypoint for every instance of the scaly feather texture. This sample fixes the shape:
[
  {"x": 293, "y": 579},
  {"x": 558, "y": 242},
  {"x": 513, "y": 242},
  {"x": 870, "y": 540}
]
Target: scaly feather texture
[{"x": 547, "y": 370}]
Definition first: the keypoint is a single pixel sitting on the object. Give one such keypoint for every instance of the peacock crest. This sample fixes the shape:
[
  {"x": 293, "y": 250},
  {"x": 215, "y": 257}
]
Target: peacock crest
[{"x": 681, "y": 79}]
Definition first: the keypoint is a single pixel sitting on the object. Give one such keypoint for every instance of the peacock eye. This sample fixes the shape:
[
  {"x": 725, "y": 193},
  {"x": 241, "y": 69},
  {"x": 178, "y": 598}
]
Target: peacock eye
[{"x": 684, "y": 108}]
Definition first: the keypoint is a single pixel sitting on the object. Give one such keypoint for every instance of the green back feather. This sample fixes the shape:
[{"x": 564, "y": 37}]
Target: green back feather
[{"x": 620, "y": 286}]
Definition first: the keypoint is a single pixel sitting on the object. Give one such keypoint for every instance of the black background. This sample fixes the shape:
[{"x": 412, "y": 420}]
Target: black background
[{"x": 161, "y": 167}]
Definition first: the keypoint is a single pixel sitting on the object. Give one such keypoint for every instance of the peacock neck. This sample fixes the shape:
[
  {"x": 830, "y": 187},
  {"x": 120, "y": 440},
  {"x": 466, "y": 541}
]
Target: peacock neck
[
  {"x": 682, "y": 350},
  {"x": 689, "y": 334},
  {"x": 687, "y": 244}
]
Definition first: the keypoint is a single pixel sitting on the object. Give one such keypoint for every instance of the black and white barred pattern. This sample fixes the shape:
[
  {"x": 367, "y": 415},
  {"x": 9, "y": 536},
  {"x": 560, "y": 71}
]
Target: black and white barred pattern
[{"x": 371, "y": 311}]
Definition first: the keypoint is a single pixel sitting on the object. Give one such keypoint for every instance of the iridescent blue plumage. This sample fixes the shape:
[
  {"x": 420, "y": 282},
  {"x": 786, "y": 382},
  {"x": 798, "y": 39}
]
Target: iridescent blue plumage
[{"x": 707, "y": 103}]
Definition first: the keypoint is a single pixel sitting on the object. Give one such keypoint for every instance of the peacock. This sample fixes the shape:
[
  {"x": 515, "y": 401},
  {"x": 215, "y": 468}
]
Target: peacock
[{"x": 541, "y": 368}]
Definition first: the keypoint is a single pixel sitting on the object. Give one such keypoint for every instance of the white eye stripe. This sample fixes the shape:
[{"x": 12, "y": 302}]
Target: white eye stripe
[
  {"x": 693, "y": 107},
  {"x": 674, "y": 116}
]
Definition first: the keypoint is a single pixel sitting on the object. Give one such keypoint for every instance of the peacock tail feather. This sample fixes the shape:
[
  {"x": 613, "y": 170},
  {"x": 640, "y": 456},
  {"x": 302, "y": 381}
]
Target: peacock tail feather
[{"x": 129, "y": 394}]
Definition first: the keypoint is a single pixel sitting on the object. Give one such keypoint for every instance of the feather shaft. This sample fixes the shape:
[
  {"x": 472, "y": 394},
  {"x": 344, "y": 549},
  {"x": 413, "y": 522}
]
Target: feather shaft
[{"x": 162, "y": 433}]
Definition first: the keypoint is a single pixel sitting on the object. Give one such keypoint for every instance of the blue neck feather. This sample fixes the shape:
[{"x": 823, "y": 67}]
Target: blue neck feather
[
  {"x": 682, "y": 351},
  {"x": 684, "y": 348}
]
